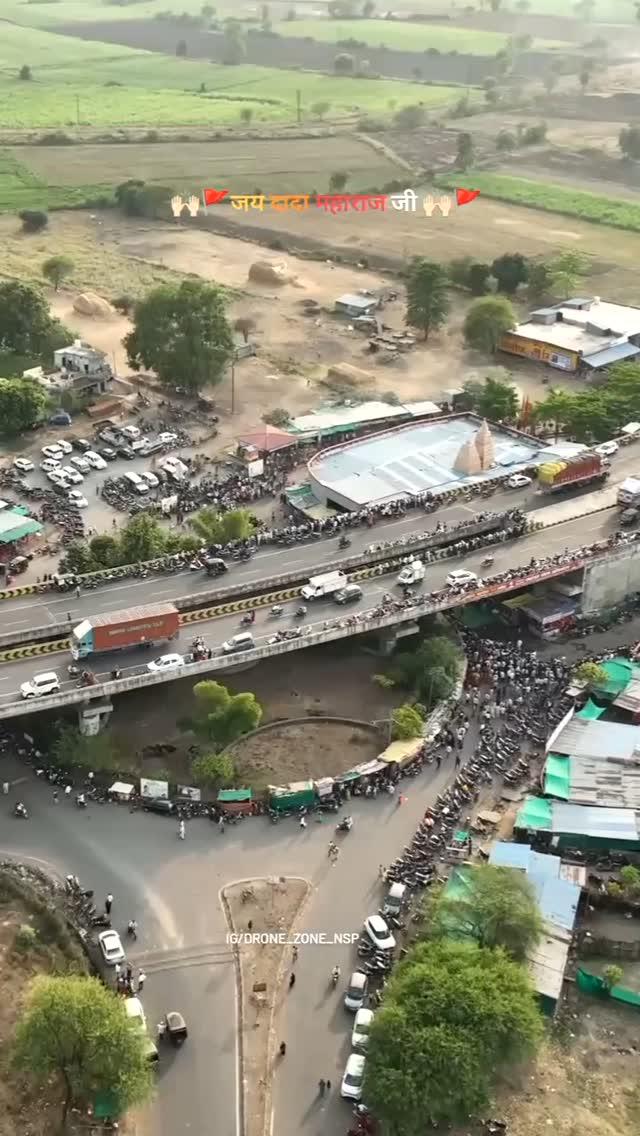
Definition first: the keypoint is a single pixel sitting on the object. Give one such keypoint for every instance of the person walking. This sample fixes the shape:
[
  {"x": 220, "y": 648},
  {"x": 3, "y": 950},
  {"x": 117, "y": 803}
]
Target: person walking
[
  {"x": 283, "y": 1048},
  {"x": 108, "y": 904},
  {"x": 181, "y": 830},
  {"x": 303, "y": 823},
  {"x": 142, "y": 978},
  {"x": 294, "y": 953},
  {"x": 292, "y": 981},
  {"x": 322, "y": 1084}
]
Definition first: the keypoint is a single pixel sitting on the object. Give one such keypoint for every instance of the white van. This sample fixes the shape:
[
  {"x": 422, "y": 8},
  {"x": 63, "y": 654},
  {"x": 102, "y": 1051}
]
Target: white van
[
  {"x": 395, "y": 900},
  {"x": 135, "y": 482},
  {"x": 242, "y": 642},
  {"x": 150, "y": 479}
]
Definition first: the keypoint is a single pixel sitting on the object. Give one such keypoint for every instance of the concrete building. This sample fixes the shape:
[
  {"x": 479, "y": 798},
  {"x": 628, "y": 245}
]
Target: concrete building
[
  {"x": 354, "y": 305},
  {"x": 79, "y": 368},
  {"x": 561, "y": 825},
  {"x": 576, "y": 335}
]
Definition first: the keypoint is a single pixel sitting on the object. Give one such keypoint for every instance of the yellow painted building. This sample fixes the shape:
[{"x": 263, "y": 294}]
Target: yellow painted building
[{"x": 526, "y": 348}]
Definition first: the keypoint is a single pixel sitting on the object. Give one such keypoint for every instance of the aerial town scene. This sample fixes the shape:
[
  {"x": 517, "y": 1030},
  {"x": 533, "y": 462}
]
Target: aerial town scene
[{"x": 319, "y": 568}]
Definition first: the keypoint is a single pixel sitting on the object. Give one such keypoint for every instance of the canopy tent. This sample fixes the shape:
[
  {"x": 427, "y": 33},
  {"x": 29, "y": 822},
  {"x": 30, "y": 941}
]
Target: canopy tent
[
  {"x": 267, "y": 439},
  {"x": 14, "y": 526}
]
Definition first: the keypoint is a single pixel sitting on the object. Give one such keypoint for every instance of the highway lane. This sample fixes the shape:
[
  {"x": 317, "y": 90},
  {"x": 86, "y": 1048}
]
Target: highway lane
[
  {"x": 545, "y": 542},
  {"x": 54, "y": 607}
]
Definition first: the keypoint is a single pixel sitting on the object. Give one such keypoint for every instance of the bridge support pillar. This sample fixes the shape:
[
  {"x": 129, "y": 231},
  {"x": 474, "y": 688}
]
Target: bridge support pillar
[
  {"x": 94, "y": 717},
  {"x": 388, "y": 639}
]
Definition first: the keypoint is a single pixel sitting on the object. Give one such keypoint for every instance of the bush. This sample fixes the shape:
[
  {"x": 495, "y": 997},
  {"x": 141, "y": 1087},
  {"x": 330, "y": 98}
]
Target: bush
[
  {"x": 33, "y": 220},
  {"x": 25, "y": 939}
]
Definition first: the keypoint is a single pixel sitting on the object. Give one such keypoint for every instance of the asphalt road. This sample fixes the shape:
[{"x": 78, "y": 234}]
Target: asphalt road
[{"x": 571, "y": 534}]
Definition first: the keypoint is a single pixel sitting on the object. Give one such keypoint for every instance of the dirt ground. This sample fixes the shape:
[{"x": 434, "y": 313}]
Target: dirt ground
[
  {"x": 323, "y": 680},
  {"x": 272, "y": 906}
]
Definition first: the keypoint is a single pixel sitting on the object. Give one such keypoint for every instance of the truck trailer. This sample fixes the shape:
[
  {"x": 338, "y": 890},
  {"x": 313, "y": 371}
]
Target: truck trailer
[
  {"x": 629, "y": 493},
  {"x": 143, "y": 626},
  {"x": 585, "y": 469},
  {"x": 325, "y": 585}
]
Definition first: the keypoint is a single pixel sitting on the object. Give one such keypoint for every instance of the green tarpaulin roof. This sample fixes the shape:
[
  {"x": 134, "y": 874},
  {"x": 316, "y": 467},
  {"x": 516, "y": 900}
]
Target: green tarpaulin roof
[
  {"x": 619, "y": 674},
  {"x": 590, "y": 711},
  {"x": 228, "y": 795},
  {"x": 536, "y": 812},
  {"x": 13, "y": 526},
  {"x": 557, "y": 776}
]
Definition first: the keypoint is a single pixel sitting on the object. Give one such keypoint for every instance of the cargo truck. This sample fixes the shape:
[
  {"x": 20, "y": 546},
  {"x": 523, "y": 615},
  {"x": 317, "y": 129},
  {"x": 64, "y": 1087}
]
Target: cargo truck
[
  {"x": 585, "y": 469},
  {"x": 325, "y": 585},
  {"x": 144, "y": 626},
  {"x": 629, "y": 493},
  {"x": 412, "y": 573}
]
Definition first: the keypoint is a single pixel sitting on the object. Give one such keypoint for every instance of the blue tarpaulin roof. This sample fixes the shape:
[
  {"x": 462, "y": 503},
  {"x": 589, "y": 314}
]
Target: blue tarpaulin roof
[{"x": 611, "y": 355}]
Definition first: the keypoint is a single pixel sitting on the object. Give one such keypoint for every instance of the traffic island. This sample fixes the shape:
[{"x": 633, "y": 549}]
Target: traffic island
[{"x": 261, "y": 915}]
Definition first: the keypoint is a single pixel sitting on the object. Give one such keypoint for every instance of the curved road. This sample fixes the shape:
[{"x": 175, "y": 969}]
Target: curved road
[{"x": 571, "y": 534}]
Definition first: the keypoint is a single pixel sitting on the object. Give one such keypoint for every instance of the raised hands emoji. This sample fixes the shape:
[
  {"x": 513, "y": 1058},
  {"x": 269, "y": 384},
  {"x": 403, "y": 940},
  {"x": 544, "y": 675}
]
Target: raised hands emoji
[
  {"x": 429, "y": 205},
  {"x": 193, "y": 205},
  {"x": 177, "y": 205},
  {"x": 444, "y": 204}
]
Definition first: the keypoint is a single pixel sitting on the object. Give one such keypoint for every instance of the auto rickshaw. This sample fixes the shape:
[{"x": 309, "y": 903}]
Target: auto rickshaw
[{"x": 173, "y": 1028}]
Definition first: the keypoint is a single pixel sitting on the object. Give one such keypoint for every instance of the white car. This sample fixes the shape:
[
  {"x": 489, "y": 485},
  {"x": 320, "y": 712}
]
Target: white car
[
  {"x": 607, "y": 449},
  {"x": 351, "y": 1087},
  {"x": 72, "y": 475},
  {"x": 23, "y": 464},
  {"x": 52, "y": 452},
  {"x": 150, "y": 479},
  {"x": 94, "y": 460},
  {"x": 518, "y": 481},
  {"x": 377, "y": 930},
  {"x": 46, "y": 683},
  {"x": 65, "y": 447},
  {"x": 167, "y": 438},
  {"x": 76, "y": 498},
  {"x": 131, "y": 432},
  {"x": 461, "y": 576},
  {"x": 57, "y": 477},
  {"x": 166, "y": 663},
  {"x": 50, "y": 463},
  {"x": 361, "y": 1029},
  {"x": 81, "y": 464},
  {"x": 140, "y": 444},
  {"x": 111, "y": 947}
]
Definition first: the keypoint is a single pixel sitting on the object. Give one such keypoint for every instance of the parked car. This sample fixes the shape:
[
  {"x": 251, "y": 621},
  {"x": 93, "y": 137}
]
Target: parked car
[
  {"x": 347, "y": 595},
  {"x": 123, "y": 450},
  {"x": 139, "y": 444},
  {"x": 351, "y": 1087},
  {"x": 111, "y": 947},
  {"x": 167, "y": 438},
  {"x": 78, "y": 499},
  {"x": 81, "y": 464},
  {"x": 23, "y": 464},
  {"x": 461, "y": 576},
  {"x": 361, "y": 1029},
  {"x": 57, "y": 477},
  {"x": 151, "y": 447},
  {"x": 60, "y": 418},
  {"x": 52, "y": 452},
  {"x": 95, "y": 460},
  {"x": 131, "y": 432},
  {"x": 377, "y": 930},
  {"x": 50, "y": 463},
  {"x": 80, "y": 444},
  {"x": 110, "y": 437},
  {"x": 107, "y": 453},
  {"x": 518, "y": 481},
  {"x": 356, "y": 992},
  {"x": 607, "y": 449},
  {"x": 166, "y": 663},
  {"x": 150, "y": 478},
  {"x": 158, "y": 805},
  {"x": 66, "y": 447},
  {"x": 41, "y": 684},
  {"x": 72, "y": 475}
]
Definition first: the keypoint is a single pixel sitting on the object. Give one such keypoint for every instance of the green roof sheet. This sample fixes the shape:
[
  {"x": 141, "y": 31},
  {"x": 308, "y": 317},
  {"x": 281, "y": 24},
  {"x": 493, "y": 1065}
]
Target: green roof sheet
[
  {"x": 13, "y": 526},
  {"x": 228, "y": 795},
  {"x": 619, "y": 674},
  {"x": 591, "y": 711},
  {"x": 536, "y": 812},
  {"x": 557, "y": 776}
]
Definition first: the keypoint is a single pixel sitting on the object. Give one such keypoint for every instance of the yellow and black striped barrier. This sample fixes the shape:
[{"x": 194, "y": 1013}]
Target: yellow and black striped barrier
[
  {"x": 25, "y": 590},
  {"x": 33, "y": 650}
]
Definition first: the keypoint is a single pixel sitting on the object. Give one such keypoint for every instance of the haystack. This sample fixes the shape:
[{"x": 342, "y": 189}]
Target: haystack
[
  {"x": 90, "y": 304},
  {"x": 270, "y": 272},
  {"x": 346, "y": 373}
]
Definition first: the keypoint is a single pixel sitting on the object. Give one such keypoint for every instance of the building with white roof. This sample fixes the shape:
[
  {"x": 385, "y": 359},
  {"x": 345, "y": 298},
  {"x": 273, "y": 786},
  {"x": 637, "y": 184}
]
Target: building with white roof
[{"x": 577, "y": 334}]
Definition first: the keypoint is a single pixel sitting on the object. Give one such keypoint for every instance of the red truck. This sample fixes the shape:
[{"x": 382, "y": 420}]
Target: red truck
[
  {"x": 142, "y": 626},
  {"x": 585, "y": 469}
]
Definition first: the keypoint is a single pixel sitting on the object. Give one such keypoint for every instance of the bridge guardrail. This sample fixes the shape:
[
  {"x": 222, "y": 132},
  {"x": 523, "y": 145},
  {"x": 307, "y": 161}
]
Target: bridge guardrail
[
  {"x": 221, "y": 595},
  {"x": 225, "y": 662}
]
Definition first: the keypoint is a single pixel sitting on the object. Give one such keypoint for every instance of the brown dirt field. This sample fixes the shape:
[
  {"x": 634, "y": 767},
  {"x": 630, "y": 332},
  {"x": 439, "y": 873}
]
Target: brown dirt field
[
  {"x": 299, "y": 752},
  {"x": 272, "y": 906}
]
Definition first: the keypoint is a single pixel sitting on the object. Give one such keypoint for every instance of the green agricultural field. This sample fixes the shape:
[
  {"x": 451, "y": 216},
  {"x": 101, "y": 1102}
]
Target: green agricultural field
[
  {"x": 93, "y": 11},
  {"x": 618, "y": 213},
  {"x": 401, "y": 36},
  {"x": 77, "y": 82},
  {"x": 32, "y": 176}
]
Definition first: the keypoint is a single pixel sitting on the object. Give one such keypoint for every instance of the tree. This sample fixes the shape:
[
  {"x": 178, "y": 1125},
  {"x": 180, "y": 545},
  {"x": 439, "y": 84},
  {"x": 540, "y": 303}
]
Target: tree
[
  {"x": 181, "y": 48},
  {"x": 464, "y": 151},
  {"x": 539, "y": 280},
  {"x": 506, "y": 141},
  {"x": 337, "y": 181},
  {"x": 486, "y": 321},
  {"x": 56, "y": 269},
  {"x": 490, "y": 87},
  {"x": 76, "y": 1033},
  {"x": 410, "y": 117},
  {"x": 567, "y": 270},
  {"x": 427, "y": 295},
  {"x": 245, "y": 325},
  {"x": 479, "y": 275},
  {"x": 424, "y": 671},
  {"x": 406, "y": 723},
  {"x": 25, "y": 323},
  {"x": 454, "y": 1018},
  {"x": 72, "y": 749},
  {"x": 246, "y": 114},
  {"x": 494, "y": 399},
  {"x": 234, "y": 47},
  {"x": 220, "y": 717},
  {"x": 629, "y": 141},
  {"x": 213, "y": 527},
  {"x": 277, "y": 417},
  {"x": 592, "y": 675},
  {"x": 208, "y": 11},
  {"x": 510, "y": 270},
  {"x": 25, "y": 73},
  {"x": 344, "y": 63},
  {"x": 142, "y": 538},
  {"x": 78, "y": 559},
  {"x": 215, "y": 770},
  {"x": 320, "y": 109},
  {"x": 557, "y": 407},
  {"x": 22, "y": 406},
  {"x": 33, "y": 220},
  {"x": 498, "y": 908},
  {"x": 612, "y": 976},
  {"x": 182, "y": 334}
]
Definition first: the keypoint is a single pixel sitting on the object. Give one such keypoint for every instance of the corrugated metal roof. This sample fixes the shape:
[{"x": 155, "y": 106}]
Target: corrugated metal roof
[
  {"x": 504, "y": 855},
  {"x": 587, "y": 820},
  {"x": 547, "y": 963},
  {"x": 352, "y": 301},
  {"x": 605, "y": 783},
  {"x": 630, "y": 698},
  {"x": 611, "y": 355},
  {"x": 557, "y": 899},
  {"x": 583, "y": 738}
]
